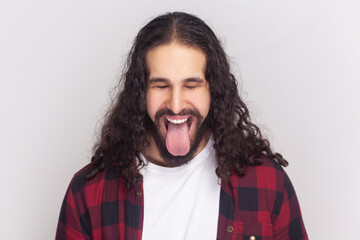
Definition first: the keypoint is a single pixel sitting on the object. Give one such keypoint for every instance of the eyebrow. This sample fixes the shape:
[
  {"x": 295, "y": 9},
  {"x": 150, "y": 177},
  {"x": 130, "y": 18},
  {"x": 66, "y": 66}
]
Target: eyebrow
[
  {"x": 165, "y": 80},
  {"x": 158, "y": 80},
  {"x": 194, "y": 79}
]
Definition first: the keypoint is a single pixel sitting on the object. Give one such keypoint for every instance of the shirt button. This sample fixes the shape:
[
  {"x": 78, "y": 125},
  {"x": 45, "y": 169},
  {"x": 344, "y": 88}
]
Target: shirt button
[
  {"x": 230, "y": 228},
  {"x": 252, "y": 238},
  {"x": 139, "y": 194}
]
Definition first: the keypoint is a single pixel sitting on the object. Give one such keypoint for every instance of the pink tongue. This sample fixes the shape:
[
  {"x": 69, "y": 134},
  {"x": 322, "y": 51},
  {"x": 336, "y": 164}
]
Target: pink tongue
[{"x": 178, "y": 139}]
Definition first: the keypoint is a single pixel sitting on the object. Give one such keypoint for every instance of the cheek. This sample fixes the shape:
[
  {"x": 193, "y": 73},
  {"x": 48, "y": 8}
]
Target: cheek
[
  {"x": 206, "y": 100},
  {"x": 202, "y": 103},
  {"x": 151, "y": 105},
  {"x": 205, "y": 107}
]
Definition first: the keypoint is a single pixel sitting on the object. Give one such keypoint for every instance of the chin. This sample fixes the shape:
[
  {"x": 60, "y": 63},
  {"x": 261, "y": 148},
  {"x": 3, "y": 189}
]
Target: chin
[{"x": 158, "y": 130}]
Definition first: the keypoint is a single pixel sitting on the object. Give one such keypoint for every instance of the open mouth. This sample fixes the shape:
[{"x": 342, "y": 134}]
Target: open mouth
[
  {"x": 177, "y": 121},
  {"x": 177, "y": 131}
]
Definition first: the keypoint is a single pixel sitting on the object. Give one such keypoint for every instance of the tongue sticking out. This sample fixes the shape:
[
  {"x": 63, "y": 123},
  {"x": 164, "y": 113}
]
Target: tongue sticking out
[{"x": 178, "y": 139}]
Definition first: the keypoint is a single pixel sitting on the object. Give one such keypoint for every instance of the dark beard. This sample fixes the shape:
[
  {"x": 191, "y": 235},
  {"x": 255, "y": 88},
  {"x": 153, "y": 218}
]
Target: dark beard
[{"x": 153, "y": 128}]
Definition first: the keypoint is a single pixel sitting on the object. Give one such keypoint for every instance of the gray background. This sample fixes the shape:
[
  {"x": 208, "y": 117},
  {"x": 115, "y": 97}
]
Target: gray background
[{"x": 298, "y": 63}]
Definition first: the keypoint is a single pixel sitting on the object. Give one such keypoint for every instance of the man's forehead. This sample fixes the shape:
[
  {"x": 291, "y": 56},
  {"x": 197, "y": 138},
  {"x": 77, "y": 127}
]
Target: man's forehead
[{"x": 175, "y": 62}]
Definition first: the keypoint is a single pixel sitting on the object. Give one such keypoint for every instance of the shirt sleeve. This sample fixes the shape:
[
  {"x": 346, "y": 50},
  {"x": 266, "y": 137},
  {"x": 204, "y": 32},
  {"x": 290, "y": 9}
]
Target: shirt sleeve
[
  {"x": 289, "y": 223},
  {"x": 71, "y": 221}
]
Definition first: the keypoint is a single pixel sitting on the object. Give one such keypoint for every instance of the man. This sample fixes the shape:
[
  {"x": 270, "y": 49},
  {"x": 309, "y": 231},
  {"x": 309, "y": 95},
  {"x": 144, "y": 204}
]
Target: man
[{"x": 178, "y": 156}]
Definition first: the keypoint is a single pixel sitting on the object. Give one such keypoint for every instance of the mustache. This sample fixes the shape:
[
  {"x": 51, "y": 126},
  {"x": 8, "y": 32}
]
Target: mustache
[{"x": 186, "y": 111}]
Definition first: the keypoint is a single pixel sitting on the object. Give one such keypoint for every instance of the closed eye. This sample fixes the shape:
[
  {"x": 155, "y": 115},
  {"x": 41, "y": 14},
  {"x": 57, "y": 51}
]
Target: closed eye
[
  {"x": 161, "y": 86},
  {"x": 192, "y": 83},
  {"x": 191, "y": 87}
]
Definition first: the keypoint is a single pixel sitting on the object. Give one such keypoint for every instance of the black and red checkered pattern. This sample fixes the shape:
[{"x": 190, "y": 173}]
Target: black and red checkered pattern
[{"x": 262, "y": 205}]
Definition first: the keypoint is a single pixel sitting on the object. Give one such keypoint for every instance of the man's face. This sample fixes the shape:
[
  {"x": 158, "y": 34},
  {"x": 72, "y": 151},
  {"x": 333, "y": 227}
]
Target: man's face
[{"x": 178, "y": 101}]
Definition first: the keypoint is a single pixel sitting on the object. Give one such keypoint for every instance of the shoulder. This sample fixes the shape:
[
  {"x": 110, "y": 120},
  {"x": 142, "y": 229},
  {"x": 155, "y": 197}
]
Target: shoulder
[
  {"x": 269, "y": 175},
  {"x": 86, "y": 190},
  {"x": 264, "y": 187},
  {"x": 84, "y": 200},
  {"x": 78, "y": 182},
  {"x": 265, "y": 195}
]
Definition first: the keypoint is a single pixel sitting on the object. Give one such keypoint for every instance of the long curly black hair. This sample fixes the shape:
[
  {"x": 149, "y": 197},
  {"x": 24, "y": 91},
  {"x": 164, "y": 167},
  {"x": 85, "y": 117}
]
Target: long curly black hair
[{"x": 237, "y": 141}]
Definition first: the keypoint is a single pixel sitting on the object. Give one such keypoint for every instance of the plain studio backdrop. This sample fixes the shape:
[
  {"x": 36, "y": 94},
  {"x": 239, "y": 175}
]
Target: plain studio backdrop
[{"x": 298, "y": 66}]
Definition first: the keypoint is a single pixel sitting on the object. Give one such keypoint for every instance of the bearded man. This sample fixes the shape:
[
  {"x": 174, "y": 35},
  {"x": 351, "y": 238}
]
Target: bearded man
[{"x": 178, "y": 157}]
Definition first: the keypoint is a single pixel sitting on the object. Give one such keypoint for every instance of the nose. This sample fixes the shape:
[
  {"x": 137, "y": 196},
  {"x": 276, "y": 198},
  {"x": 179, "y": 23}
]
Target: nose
[{"x": 176, "y": 100}]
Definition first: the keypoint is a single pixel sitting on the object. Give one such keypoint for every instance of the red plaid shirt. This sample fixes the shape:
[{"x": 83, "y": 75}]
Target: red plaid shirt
[{"x": 262, "y": 204}]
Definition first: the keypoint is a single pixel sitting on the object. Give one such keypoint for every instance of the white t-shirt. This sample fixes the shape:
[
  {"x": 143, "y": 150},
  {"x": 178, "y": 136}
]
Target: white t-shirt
[{"x": 182, "y": 202}]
